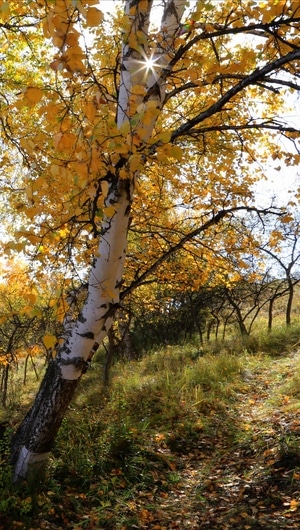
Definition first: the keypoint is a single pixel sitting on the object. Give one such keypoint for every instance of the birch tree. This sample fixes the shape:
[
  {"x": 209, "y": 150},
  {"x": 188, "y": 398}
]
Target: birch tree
[{"x": 195, "y": 99}]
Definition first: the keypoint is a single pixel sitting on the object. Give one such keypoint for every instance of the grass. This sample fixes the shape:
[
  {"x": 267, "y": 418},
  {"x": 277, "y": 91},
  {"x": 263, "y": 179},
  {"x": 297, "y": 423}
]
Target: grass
[
  {"x": 121, "y": 456},
  {"x": 282, "y": 340}
]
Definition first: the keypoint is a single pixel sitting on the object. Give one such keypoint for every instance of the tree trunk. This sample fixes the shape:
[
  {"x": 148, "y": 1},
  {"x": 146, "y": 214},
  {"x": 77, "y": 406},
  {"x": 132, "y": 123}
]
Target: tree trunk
[
  {"x": 35, "y": 437},
  {"x": 238, "y": 313},
  {"x": 289, "y": 303},
  {"x": 109, "y": 357},
  {"x": 4, "y": 383},
  {"x": 270, "y": 314}
]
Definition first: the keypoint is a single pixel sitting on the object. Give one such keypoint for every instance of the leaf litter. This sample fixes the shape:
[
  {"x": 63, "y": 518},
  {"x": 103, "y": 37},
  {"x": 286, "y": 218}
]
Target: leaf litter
[{"x": 253, "y": 482}]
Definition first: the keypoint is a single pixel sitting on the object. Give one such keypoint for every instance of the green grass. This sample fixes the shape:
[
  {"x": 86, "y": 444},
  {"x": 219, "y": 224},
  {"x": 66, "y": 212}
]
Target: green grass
[
  {"x": 120, "y": 450},
  {"x": 281, "y": 340},
  {"x": 123, "y": 444}
]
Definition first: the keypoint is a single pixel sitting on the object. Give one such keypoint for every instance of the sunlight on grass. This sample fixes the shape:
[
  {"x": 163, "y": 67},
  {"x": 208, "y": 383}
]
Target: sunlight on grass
[{"x": 120, "y": 448}]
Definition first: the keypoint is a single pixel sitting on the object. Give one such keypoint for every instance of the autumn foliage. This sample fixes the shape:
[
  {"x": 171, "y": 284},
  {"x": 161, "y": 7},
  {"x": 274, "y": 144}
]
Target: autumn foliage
[{"x": 60, "y": 115}]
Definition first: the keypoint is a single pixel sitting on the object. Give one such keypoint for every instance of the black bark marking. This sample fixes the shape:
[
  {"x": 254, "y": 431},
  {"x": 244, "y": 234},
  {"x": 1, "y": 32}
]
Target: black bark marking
[
  {"x": 119, "y": 284},
  {"x": 87, "y": 335},
  {"x": 78, "y": 362}
]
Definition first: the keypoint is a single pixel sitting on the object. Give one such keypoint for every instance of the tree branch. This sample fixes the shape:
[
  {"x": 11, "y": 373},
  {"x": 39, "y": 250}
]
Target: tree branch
[
  {"x": 258, "y": 75},
  {"x": 223, "y": 30},
  {"x": 263, "y": 125},
  {"x": 215, "y": 219},
  {"x": 224, "y": 77}
]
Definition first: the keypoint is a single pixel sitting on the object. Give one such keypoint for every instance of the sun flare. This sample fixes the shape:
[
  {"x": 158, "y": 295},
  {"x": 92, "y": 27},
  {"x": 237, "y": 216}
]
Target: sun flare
[{"x": 149, "y": 64}]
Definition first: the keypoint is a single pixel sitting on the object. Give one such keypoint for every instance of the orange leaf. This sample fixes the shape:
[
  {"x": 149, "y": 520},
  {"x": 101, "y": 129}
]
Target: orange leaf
[
  {"x": 90, "y": 110},
  {"x": 33, "y": 95},
  {"x": 94, "y": 17},
  {"x": 294, "y": 505}
]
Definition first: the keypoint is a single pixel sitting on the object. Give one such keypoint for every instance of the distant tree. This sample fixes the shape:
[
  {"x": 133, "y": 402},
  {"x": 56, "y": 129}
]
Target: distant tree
[
  {"x": 284, "y": 249},
  {"x": 25, "y": 322}
]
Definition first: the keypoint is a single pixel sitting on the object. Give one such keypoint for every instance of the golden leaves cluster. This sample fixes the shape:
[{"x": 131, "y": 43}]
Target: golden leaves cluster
[{"x": 64, "y": 122}]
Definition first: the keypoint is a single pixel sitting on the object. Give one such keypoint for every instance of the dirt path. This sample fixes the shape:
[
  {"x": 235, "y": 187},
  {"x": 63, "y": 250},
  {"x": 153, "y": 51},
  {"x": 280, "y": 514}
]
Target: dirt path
[{"x": 253, "y": 482}]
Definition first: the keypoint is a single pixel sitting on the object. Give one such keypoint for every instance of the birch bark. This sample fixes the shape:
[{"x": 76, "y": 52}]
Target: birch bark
[{"x": 35, "y": 436}]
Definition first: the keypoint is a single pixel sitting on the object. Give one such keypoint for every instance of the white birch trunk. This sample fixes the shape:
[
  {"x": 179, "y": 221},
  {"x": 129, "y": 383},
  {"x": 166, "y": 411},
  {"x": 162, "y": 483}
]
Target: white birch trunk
[
  {"x": 103, "y": 288},
  {"x": 35, "y": 437}
]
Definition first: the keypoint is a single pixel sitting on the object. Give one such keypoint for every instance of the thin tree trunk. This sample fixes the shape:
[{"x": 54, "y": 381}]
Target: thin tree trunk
[
  {"x": 270, "y": 314},
  {"x": 5, "y": 384},
  {"x": 289, "y": 304},
  {"x": 109, "y": 357}
]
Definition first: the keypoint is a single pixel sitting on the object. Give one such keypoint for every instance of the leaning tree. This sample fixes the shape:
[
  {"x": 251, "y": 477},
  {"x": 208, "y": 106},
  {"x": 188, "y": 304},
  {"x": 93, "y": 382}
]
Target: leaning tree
[{"x": 104, "y": 110}]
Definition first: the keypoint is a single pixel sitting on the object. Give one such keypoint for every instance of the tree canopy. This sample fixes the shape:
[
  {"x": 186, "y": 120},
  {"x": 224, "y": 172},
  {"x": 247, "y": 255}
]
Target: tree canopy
[{"x": 213, "y": 88}]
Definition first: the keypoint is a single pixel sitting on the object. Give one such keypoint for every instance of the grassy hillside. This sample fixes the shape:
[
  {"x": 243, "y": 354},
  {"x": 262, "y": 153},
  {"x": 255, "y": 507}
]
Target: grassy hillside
[{"x": 181, "y": 439}]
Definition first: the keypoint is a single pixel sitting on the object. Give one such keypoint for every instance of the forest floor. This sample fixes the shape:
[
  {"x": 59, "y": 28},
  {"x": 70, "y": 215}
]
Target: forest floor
[
  {"x": 242, "y": 473},
  {"x": 253, "y": 482}
]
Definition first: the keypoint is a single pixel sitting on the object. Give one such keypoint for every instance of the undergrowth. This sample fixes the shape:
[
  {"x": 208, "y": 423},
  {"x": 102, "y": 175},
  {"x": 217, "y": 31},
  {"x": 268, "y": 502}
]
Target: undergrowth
[{"x": 120, "y": 449}]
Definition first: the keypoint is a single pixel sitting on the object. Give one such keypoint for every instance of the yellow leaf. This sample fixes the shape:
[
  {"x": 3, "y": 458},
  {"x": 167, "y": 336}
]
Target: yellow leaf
[
  {"x": 94, "y": 17},
  {"x": 294, "y": 505},
  {"x": 32, "y": 212},
  {"x": 31, "y": 298},
  {"x": 33, "y": 238},
  {"x": 139, "y": 90},
  {"x": 176, "y": 152},
  {"x": 49, "y": 341},
  {"x": 135, "y": 162},
  {"x": 149, "y": 115},
  {"x": 90, "y": 110},
  {"x": 55, "y": 168},
  {"x": 4, "y": 11},
  {"x": 52, "y": 302},
  {"x": 57, "y": 65},
  {"x": 33, "y": 95},
  {"x": 72, "y": 38},
  {"x": 121, "y": 148},
  {"x": 124, "y": 128},
  {"x": 65, "y": 141},
  {"x": 132, "y": 41},
  {"x": 104, "y": 188},
  {"x": 165, "y": 137},
  {"x": 109, "y": 211},
  {"x": 123, "y": 174}
]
